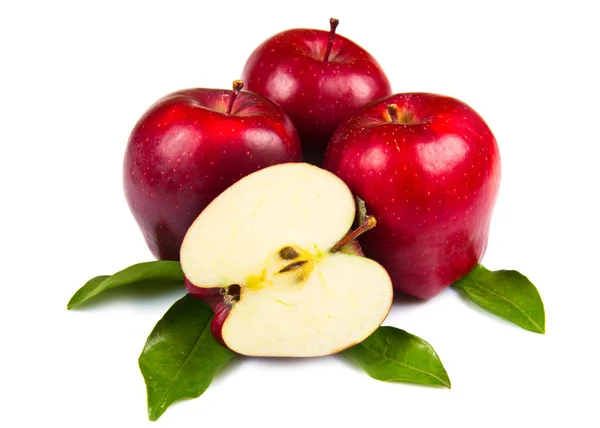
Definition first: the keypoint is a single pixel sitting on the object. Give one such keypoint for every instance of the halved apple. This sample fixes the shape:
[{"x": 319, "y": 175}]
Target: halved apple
[{"x": 265, "y": 254}]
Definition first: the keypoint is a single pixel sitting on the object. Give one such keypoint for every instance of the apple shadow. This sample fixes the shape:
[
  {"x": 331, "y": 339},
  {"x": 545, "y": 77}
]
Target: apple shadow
[
  {"x": 283, "y": 361},
  {"x": 231, "y": 367},
  {"x": 405, "y": 300},
  {"x": 150, "y": 292}
]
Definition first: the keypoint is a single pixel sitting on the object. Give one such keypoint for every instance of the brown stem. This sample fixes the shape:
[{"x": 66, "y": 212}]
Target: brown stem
[
  {"x": 368, "y": 224},
  {"x": 238, "y": 85},
  {"x": 333, "y": 23},
  {"x": 393, "y": 111}
]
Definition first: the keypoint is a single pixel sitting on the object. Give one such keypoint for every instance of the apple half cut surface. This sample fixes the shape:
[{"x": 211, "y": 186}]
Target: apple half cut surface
[{"x": 263, "y": 254}]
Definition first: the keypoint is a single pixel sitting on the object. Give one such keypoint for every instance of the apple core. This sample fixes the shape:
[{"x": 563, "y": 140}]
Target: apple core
[{"x": 275, "y": 240}]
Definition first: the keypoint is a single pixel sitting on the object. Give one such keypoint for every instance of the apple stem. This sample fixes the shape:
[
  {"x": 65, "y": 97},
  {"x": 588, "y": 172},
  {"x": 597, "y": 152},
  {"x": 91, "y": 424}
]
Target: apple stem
[
  {"x": 333, "y": 23},
  {"x": 238, "y": 85},
  {"x": 368, "y": 224},
  {"x": 393, "y": 111}
]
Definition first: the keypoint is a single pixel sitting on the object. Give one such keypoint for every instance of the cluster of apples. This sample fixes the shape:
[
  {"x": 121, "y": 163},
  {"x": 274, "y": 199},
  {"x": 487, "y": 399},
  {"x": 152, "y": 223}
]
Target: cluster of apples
[{"x": 225, "y": 181}]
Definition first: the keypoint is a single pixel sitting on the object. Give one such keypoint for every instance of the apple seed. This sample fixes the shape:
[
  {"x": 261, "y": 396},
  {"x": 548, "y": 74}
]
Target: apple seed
[
  {"x": 293, "y": 266},
  {"x": 288, "y": 253}
]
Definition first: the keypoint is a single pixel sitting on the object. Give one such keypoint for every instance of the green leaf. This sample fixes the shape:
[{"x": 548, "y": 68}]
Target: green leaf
[
  {"x": 391, "y": 354},
  {"x": 506, "y": 293},
  {"x": 158, "y": 272},
  {"x": 181, "y": 357}
]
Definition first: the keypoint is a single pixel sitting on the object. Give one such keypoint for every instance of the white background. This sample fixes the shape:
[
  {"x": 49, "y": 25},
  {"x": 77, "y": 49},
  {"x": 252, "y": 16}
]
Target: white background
[{"x": 75, "y": 77}]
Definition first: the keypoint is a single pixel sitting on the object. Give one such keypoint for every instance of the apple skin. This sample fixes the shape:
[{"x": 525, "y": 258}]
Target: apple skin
[
  {"x": 186, "y": 150},
  {"x": 431, "y": 185},
  {"x": 289, "y": 68},
  {"x": 213, "y": 298}
]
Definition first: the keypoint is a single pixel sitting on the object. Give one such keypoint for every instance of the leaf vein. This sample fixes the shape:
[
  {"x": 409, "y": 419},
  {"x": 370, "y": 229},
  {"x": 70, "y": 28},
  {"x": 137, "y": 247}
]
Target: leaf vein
[
  {"x": 162, "y": 400},
  {"x": 404, "y": 364},
  {"x": 519, "y": 308}
]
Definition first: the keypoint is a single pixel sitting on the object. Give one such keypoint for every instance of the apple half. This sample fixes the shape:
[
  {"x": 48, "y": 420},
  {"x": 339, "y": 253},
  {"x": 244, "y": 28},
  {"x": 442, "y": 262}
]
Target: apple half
[{"x": 265, "y": 254}]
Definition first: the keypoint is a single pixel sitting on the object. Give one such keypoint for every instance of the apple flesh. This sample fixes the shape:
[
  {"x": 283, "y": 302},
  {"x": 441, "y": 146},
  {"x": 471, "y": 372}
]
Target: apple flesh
[
  {"x": 265, "y": 254},
  {"x": 318, "y": 77},
  {"x": 428, "y": 169},
  {"x": 189, "y": 147},
  {"x": 221, "y": 300}
]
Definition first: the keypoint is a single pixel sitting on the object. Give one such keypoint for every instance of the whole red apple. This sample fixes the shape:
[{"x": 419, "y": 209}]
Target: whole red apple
[
  {"x": 189, "y": 147},
  {"x": 318, "y": 77},
  {"x": 428, "y": 169}
]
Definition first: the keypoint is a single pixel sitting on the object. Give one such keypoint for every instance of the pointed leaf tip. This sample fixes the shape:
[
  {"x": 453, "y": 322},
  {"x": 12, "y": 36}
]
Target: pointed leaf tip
[
  {"x": 157, "y": 272},
  {"x": 181, "y": 358},
  {"x": 507, "y": 294},
  {"x": 391, "y": 354}
]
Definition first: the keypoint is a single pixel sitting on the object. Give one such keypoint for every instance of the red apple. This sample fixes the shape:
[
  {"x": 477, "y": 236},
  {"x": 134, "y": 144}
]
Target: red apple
[
  {"x": 318, "y": 77},
  {"x": 192, "y": 145},
  {"x": 428, "y": 169}
]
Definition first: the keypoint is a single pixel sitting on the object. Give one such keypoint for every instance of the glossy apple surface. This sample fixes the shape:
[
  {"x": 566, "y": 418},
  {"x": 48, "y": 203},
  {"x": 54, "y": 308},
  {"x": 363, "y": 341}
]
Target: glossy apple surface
[
  {"x": 186, "y": 150},
  {"x": 290, "y": 68},
  {"x": 428, "y": 169}
]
